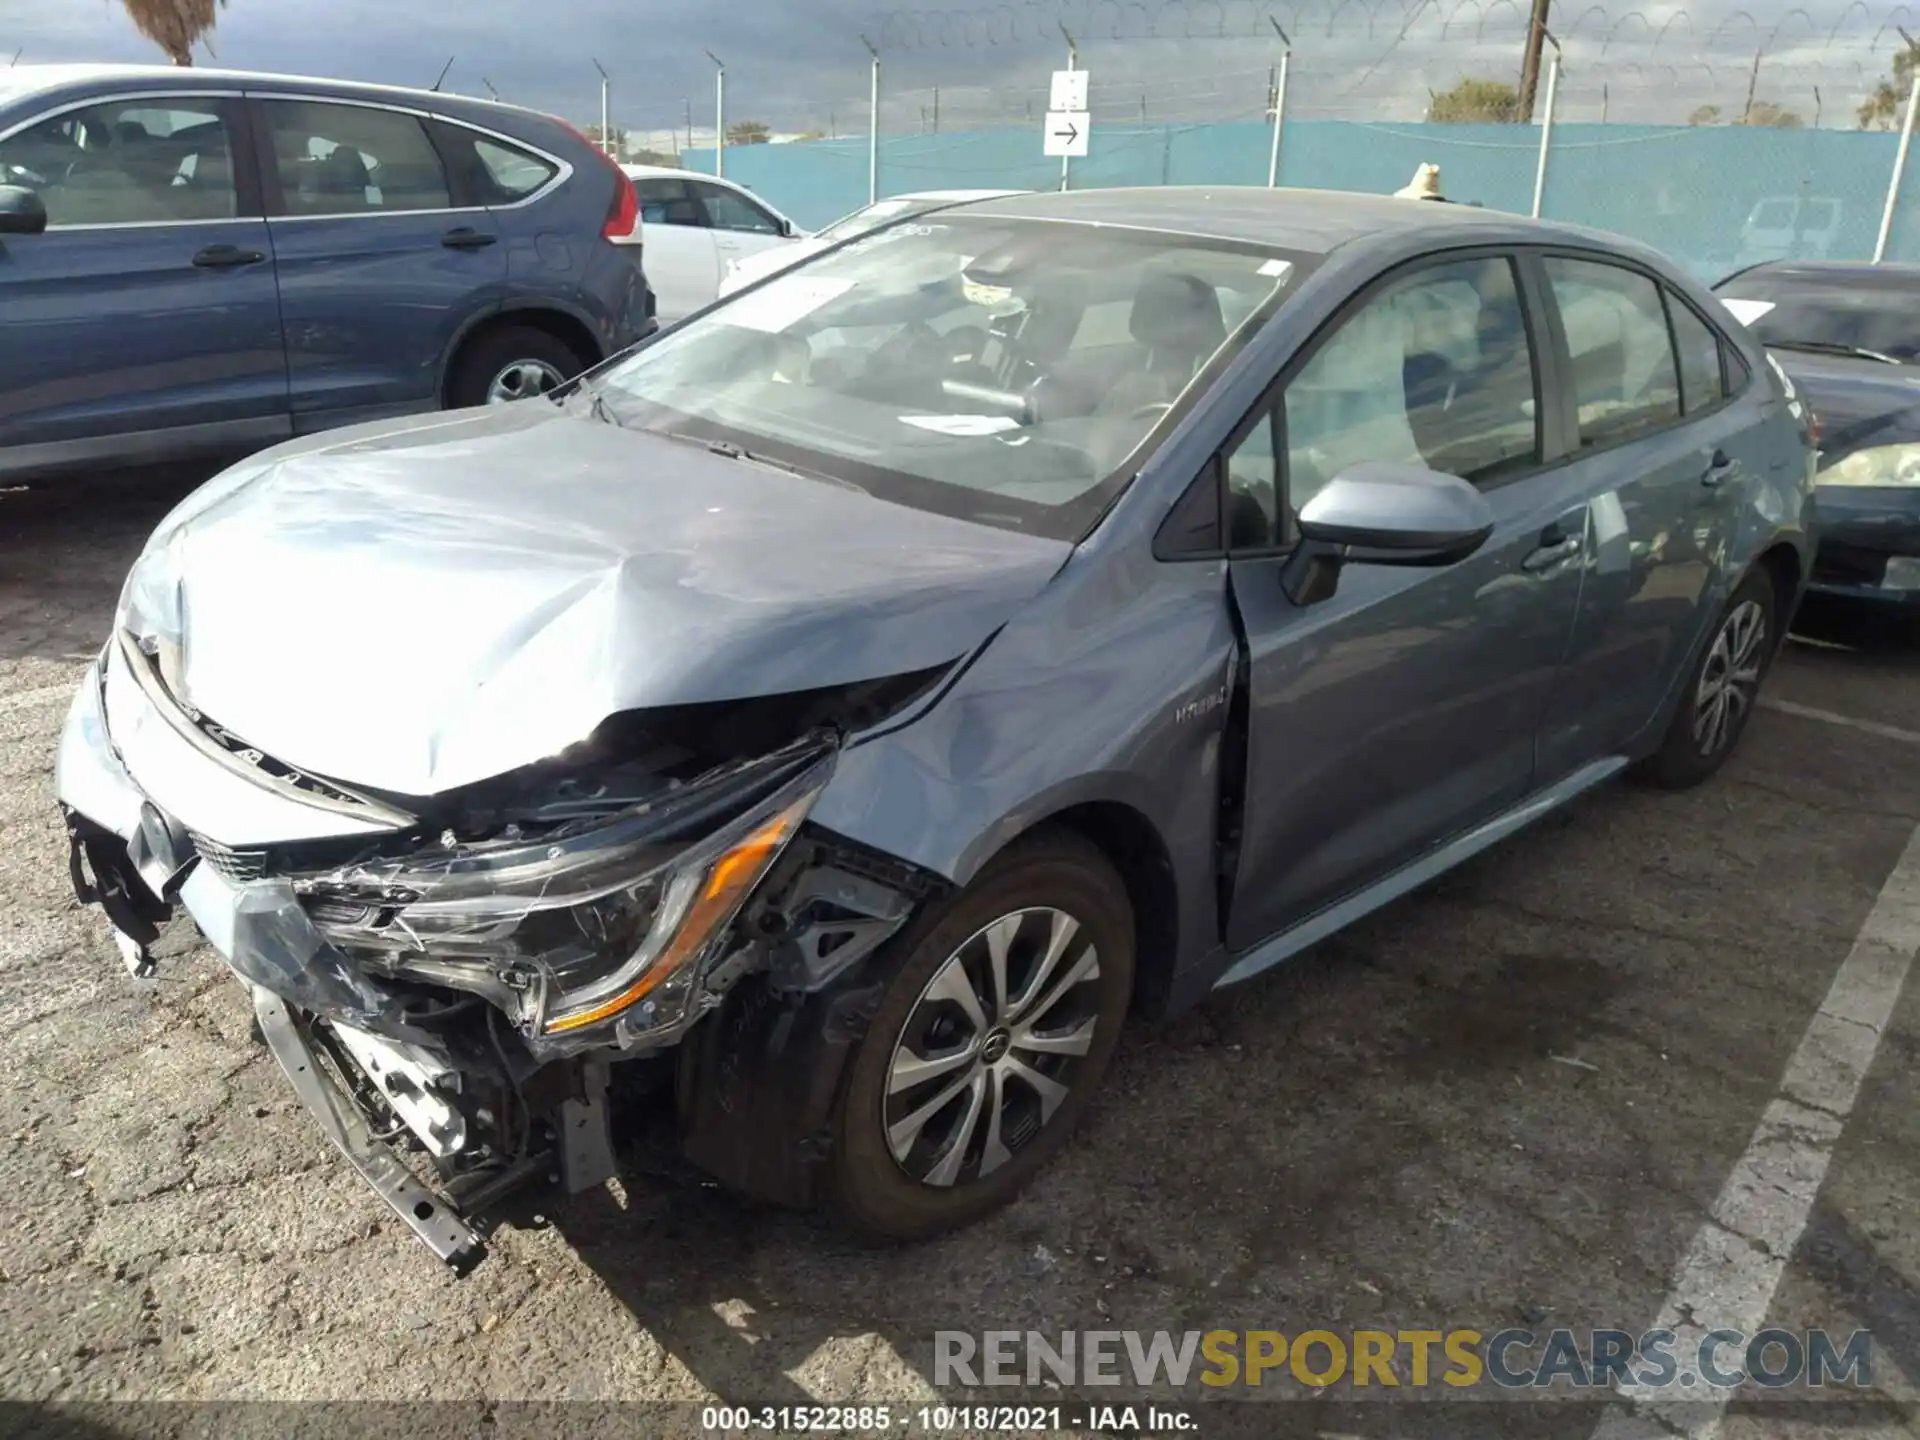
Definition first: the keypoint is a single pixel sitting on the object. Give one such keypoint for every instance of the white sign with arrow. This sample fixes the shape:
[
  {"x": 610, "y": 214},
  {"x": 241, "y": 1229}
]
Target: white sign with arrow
[{"x": 1067, "y": 132}]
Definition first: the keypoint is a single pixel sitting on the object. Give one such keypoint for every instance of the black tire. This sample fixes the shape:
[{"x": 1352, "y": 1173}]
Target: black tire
[
  {"x": 495, "y": 352},
  {"x": 868, "y": 1188},
  {"x": 1695, "y": 746}
]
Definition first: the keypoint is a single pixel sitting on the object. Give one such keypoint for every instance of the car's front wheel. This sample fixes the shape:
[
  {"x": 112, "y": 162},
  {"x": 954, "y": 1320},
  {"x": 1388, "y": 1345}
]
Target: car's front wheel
[
  {"x": 996, "y": 1027},
  {"x": 1723, "y": 689}
]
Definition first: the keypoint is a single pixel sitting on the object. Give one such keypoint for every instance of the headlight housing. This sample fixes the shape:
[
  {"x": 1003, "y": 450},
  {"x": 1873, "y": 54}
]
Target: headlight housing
[
  {"x": 595, "y": 936},
  {"x": 1882, "y": 465}
]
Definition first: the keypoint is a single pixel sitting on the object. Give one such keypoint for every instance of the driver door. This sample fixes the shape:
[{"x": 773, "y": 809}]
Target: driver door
[{"x": 1401, "y": 710}]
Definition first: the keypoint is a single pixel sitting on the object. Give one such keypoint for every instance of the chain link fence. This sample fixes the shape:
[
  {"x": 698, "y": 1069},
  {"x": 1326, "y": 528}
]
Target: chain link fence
[{"x": 1723, "y": 137}]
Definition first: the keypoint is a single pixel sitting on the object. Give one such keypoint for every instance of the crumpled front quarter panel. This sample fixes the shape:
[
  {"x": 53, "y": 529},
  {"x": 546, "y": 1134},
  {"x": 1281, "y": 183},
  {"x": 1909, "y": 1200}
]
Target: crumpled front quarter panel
[{"x": 1110, "y": 687}]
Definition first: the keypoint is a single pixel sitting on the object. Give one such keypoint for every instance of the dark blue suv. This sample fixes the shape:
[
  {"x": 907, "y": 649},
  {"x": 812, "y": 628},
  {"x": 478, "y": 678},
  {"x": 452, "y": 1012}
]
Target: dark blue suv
[{"x": 197, "y": 261}]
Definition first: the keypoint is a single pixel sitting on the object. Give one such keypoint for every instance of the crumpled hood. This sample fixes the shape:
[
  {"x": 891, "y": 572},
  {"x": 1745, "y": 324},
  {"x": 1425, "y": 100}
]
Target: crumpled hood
[{"x": 415, "y": 606}]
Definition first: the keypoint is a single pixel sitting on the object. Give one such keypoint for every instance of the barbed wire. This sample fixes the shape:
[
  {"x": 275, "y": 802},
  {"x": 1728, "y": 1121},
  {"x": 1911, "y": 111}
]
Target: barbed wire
[
  {"x": 1018, "y": 23},
  {"x": 1177, "y": 62}
]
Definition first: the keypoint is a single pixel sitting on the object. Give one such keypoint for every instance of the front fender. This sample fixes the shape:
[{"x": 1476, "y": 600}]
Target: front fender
[{"x": 1105, "y": 688}]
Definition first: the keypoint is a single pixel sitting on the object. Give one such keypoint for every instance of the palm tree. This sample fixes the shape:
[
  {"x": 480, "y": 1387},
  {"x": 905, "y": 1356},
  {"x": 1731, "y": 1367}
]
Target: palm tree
[{"x": 176, "y": 26}]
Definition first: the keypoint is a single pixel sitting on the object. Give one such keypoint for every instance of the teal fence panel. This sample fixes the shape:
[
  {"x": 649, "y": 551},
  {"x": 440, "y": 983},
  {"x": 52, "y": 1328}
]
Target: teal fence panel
[{"x": 1714, "y": 197}]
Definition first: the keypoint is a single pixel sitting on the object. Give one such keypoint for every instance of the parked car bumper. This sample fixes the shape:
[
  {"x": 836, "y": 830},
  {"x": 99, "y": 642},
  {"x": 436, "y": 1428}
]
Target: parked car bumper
[
  {"x": 139, "y": 863},
  {"x": 1869, "y": 544}
]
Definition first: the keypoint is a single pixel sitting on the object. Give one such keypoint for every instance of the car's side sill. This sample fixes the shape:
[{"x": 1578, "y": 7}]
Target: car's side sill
[
  {"x": 47, "y": 458},
  {"x": 1338, "y": 916}
]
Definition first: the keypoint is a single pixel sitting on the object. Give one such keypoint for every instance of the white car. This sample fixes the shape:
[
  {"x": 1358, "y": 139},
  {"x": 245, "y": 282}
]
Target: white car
[
  {"x": 749, "y": 269},
  {"x": 695, "y": 227}
]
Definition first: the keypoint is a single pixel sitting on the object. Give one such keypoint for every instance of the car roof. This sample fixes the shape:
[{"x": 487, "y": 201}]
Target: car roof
[
  {"x": 955, "y": 195},
  {"x": 1311, "y": 221},
  {"x": 20, "y": 81}
]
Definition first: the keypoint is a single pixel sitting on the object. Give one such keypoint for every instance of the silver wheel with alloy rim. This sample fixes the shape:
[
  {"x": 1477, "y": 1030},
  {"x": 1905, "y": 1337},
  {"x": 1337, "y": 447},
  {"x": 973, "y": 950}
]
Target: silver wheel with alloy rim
[
  {"x": 521, "y": 379},
  {"x": 1730, "y": 679},
  {"x": 992, "y": 1047}
]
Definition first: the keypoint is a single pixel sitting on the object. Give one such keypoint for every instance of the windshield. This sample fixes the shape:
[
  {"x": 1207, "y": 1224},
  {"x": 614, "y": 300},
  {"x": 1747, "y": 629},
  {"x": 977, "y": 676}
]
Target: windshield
[
  {"x": 1005, "y": 371},
  {"x": 1843, "y": 314},
  {"x": 873, "y": 216}
]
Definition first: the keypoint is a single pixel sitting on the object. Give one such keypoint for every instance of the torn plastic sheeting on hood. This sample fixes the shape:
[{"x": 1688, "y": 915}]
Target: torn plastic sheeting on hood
[{"x": 514, "y": 579}]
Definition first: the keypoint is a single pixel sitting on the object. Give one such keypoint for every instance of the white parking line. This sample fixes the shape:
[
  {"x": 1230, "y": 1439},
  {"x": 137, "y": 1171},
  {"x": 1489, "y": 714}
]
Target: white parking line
[
  {"x": 1727, "y": 1280},
  {"x": 1830, "y": 717}
]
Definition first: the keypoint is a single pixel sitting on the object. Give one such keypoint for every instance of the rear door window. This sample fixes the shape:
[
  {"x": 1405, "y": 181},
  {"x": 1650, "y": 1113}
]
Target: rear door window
[
  {"x": 1701, "y": 383},
  {"x": 139, "y": 161},
  {"x": 1624, "y": 378},
  {"x": 337, "y": 159}
]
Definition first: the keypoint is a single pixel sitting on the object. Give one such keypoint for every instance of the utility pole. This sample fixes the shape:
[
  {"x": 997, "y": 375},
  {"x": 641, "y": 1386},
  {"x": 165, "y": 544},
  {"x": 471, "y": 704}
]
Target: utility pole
[
  {"x": 1073, "y": 63},
  {"x": 689, "y": 105},
  {"x": 936, "y": 109},
  {"x": 1530, "y": 60},
  {"x": 873, "y": 125},
  {"x": 1277, "y": 96},
  {"x": 719, "y": 115},
  {"x": 606, "y": 128}
]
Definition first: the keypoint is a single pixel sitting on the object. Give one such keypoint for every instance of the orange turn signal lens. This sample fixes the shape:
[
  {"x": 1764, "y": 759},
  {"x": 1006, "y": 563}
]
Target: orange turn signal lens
[{"x": 728, "y": 881}]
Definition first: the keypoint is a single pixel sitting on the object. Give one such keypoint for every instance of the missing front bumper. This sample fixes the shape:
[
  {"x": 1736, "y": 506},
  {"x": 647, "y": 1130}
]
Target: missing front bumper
[{"x": 431, "y": 1216}]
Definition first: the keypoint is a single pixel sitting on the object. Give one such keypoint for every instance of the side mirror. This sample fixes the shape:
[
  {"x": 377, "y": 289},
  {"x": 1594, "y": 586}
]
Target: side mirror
[
  {"x": 22, "y": 212},
  {"x": 1382, "y": 513},
  {"x": 787, "y": 228}
]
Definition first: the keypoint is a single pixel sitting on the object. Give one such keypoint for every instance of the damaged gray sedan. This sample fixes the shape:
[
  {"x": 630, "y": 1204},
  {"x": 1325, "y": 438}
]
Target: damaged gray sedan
[{"x": 828, "y": 720}]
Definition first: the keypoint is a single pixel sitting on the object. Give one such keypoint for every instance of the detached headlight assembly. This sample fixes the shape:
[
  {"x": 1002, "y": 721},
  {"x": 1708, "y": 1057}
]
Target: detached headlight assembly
[
  {"x": 1883, "y": 465},
  {"x": 611, "y": 925}
]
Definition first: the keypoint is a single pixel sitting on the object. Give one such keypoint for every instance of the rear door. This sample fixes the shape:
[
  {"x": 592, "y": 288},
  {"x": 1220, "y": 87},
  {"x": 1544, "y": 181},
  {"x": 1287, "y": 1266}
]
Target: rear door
[
  {"x": 148, "y": 304},
  {"x": 741, "y": 225},
  {"x": 382, "y": 262},
  {"x": 1664, "y": 460},
  {"x": 1403, "y": 709},
  {"x": 683, "y": 263}
]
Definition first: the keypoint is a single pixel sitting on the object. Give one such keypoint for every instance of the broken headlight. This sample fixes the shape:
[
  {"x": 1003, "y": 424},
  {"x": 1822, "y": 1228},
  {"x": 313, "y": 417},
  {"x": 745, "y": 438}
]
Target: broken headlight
[{"x": 606, "y": 924}]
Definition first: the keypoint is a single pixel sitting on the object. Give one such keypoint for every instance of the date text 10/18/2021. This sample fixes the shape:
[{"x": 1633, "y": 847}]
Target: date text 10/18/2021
[{"x": 946, "y": 1419}]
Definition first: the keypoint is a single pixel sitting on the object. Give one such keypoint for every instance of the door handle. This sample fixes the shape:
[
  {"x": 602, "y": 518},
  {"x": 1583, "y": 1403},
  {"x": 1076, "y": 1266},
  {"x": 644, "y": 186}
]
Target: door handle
[
  {"x": 1719, "y": 470},
  {"x": 466, "y": 239},
  {"x": 226, "y": 257},
  {"x": 1555, "y": 545}
]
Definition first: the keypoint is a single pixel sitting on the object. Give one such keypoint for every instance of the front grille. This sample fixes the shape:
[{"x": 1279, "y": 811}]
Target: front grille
[{"x": 237, "y": 866}]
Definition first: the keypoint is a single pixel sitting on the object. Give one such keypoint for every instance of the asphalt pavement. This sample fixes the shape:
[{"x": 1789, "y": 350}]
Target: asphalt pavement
[{"x": 1521, "y": 1097}]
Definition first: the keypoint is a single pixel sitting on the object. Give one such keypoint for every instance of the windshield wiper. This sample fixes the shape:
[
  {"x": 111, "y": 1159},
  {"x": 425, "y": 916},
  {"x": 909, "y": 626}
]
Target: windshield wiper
[
  {"x": 737, "y": 452},
  {"x": 1833, "y": 347}
]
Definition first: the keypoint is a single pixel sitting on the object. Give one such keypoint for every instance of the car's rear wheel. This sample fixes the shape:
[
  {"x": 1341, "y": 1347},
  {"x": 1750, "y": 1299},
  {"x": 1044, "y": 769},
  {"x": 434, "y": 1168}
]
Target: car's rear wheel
[
  {"x": 991, "y": 1039},
  {"x": 1723, "y": 689},
  {"x": 512, "y": 362}
]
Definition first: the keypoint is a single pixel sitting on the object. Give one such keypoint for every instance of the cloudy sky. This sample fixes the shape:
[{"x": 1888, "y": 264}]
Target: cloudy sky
[{"x": 798, "y": 64}]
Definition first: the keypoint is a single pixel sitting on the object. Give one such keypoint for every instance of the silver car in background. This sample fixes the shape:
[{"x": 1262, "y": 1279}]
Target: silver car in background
[{"x": 846, "y": 707}]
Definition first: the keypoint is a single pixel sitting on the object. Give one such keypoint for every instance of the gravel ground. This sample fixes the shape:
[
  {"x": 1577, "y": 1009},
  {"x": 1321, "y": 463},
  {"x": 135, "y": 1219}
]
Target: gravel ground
[{"x": 1386, "y": 1134}]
